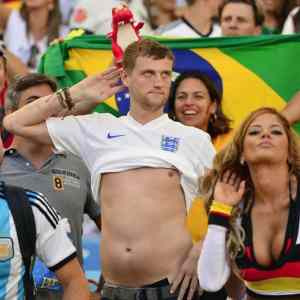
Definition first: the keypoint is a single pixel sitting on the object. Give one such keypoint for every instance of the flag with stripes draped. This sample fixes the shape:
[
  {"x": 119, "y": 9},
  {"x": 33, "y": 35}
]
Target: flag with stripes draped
[{"x": 249, "y": 71}]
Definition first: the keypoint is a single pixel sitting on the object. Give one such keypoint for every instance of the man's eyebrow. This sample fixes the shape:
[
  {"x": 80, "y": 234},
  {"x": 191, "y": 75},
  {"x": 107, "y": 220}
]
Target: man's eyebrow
[{"x": 32, "y": 98}]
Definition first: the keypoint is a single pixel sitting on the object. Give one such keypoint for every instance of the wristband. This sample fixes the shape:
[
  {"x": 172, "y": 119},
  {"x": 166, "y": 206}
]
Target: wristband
[
  {"x": 60, "y": 99},
  {"x": 219, "y": 214},
  {"x": 68, "y": 98},
  {"x": 64, "y": 98},
  {"x": 221, "y": 208}
]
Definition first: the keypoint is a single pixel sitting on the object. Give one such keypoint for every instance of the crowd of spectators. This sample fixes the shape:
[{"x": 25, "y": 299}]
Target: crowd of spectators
[{"x": 28, "y": 27}]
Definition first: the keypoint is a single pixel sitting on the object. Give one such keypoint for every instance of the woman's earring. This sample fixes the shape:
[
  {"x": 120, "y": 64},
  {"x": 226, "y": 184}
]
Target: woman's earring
[
  {"x": 242, "y": 161},
  {"x": 213, "y": 118}
]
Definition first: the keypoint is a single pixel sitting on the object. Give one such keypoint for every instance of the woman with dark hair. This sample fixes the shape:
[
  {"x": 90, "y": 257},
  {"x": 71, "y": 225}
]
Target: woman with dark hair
[
  {"x": 195, "y": 101},
  {"x": 29, "y": 31},
  {"x": 252, "y": 194}
]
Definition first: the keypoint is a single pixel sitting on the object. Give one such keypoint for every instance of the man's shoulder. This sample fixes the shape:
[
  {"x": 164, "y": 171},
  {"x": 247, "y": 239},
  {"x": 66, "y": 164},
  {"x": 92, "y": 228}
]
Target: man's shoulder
[
  {"x": 34, "y": 198},
  {"x": 41, "y": 206},
  {"x": 172, "y": 28},
  {"x": 188, "y": 130},
  {"x": 85, "y": 121},
  {"x": 97, "y": 116}
]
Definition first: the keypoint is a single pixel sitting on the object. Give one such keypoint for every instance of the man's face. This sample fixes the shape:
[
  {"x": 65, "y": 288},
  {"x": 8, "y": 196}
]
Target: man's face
[
  {"x": 31, "y": 94},
  {"x": 238, "y": 19},
  {"x": 166, "y": 5},
  {"x": 149, "y": 82}
]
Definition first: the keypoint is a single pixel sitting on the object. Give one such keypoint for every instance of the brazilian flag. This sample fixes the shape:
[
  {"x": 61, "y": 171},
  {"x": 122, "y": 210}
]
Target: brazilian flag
[{"x": 250, "y": 72}]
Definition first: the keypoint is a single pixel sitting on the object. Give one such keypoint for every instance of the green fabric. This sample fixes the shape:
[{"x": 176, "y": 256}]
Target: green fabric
[
  {"x": 270, "y": 55},
  {"x": 268, "y": 62},
  {"x": 267, "y": 30}
]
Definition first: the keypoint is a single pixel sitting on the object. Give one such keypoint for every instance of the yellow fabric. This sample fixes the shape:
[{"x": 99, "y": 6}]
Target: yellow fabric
[
  {"x": 222, "y": 140},
  {"x": 91, "y": 62},
  {"x": 13, "y": 4},
  {"x": 197, "y": 220},
  {"x": 276, "y": 285},
  {"x": 195, "y": 224},
  {"x": 234, "y": 104},
  {"x": 220, "y": 207}
]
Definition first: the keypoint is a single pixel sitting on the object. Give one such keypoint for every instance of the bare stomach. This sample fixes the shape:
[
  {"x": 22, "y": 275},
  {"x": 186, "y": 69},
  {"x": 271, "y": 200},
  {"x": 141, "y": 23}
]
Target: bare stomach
[{"x": 144, "y": 237}]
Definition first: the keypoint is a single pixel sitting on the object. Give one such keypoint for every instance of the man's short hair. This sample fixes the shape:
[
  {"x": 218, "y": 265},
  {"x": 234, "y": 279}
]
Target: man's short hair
[
  {"x": 145, "y": 48},
  {"x": 25, "y": 82},
  {"x": 258, "y": 15},
  {"x": 190, "y": 2}
]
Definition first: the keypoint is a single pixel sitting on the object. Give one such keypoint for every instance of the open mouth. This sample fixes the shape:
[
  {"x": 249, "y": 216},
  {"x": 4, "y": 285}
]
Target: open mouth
[{"x": 189, "y": 113}]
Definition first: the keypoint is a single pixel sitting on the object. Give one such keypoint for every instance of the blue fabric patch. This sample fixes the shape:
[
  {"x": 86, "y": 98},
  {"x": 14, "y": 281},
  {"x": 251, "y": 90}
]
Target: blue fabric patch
[
  {"x": 169, "y": 143},
  {"x": 44, "y": 278}
]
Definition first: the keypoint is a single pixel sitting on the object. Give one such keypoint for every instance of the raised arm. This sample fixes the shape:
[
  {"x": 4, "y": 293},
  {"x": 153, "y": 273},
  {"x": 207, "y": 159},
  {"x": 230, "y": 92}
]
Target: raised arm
[
  {"x": 29, "y": 121},
  {"x": 214, "y": 266},
  {"x": 292, "y": 110}
]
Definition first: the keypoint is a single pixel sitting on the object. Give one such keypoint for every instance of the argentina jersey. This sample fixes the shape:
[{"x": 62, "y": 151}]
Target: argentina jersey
[{"x": 11, "y": 266}]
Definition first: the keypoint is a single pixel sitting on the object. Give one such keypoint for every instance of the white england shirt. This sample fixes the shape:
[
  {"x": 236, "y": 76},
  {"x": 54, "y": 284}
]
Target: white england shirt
[{"x": 109, "y": 144}]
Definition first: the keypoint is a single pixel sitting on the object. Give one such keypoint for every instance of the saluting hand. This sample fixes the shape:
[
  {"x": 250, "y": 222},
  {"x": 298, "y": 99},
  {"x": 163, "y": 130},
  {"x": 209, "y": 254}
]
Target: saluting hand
[{"x": 97, "y": 88}]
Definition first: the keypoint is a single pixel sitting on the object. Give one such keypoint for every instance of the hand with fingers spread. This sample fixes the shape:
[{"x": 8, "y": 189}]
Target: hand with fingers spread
[
  {"x": 186, "y": 279},
  {"x": 229, "y": 189},
  {"x": 97, "y": 88}
]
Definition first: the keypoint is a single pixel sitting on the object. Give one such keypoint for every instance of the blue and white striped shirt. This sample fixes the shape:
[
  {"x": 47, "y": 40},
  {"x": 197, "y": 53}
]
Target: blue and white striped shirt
[{"x": 53, "y": 246}]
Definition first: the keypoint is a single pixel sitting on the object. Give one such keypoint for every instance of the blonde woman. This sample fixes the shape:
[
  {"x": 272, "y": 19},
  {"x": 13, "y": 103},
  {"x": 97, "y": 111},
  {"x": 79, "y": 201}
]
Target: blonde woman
[{"x": 254, "y": 207}]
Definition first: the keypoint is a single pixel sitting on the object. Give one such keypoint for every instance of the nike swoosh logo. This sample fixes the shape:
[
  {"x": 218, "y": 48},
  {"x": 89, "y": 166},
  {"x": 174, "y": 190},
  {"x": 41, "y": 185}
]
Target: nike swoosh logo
[{"x": 112, "y": 136}]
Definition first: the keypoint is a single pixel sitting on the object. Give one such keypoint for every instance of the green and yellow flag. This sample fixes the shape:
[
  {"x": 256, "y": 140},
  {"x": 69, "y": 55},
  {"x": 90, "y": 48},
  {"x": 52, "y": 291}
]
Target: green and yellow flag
[{"x": 250, "y": 71}]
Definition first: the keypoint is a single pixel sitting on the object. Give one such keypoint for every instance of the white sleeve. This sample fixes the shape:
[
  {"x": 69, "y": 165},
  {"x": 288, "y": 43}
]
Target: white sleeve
[
  {"x": 53, "y": 246},
  {"x": 208, "y": 152},
  {"x": 66, "y": 134},
  {"x": 213, "y": 267}
]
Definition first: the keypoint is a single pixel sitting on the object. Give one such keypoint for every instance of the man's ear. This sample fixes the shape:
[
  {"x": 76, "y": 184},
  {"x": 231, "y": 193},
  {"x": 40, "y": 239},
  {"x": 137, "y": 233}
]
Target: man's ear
[
  {"x": 213, "y": 107},
  {"x": 124, "y": 77}
]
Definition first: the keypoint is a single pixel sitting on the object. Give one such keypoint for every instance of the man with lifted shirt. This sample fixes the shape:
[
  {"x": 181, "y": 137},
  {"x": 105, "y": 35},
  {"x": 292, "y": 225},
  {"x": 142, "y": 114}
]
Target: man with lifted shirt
[{"x": 145, "y": 169}]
